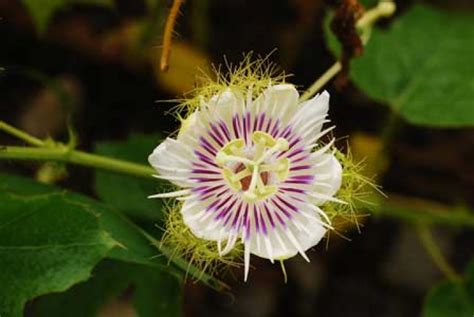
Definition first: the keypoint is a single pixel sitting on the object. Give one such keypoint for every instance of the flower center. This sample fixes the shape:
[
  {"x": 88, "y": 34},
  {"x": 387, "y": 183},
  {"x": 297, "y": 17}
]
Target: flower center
[
  {"x": 245, "y": 181},
  {"x": 253, "y": 171}
]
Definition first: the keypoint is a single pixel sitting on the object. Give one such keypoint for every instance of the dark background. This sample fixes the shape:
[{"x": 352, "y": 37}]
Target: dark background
[{"x": 383, "y": 271}]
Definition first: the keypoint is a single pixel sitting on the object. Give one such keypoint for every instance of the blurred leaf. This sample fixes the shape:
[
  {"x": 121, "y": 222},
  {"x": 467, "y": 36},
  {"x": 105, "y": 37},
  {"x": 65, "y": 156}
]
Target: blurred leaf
[
  {"x": 369, "y": 3},
  {"x": 368, "y": 149},
  {"x": 422, "y": 67},
  {"x": 42, "y": 11},
  {"x": 152, "y": 5},
  {"x": 154, "y": 293},
  {"x": 48, "y": 242},
  {"x": 126, "y": 193},
  {"x": 331, "y": 41},
  {"x": 452, "y": 298}
]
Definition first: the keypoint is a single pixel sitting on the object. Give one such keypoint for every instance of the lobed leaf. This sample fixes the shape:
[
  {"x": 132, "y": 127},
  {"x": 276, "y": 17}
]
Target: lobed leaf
[{"x": 48, "y": 242}]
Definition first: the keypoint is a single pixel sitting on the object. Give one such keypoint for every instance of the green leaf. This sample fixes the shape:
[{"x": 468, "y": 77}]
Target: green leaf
[
  {"x": 368, "y": 4},
  {"x": 154, "y": 293},
  {"x": 332, "y": 42},
  {"x": 452, "y": 298},
  {"x": 48, "y": 242},
  {"x": 42, "y": 11},
  {"x": 422, "y": 67},
  {"x": 109, "y": 280},
  {"x": 126, "y": 193},
  {"x": 135, "y": 245}
]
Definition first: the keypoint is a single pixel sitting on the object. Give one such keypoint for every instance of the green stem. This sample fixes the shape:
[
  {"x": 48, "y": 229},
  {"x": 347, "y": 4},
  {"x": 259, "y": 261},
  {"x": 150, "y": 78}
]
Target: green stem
[
  {"x": 321, "y": 81},
  {"x": 385, "y": 8},
  {"x": 61, "y": 153},
  {"x": 20, "y": 134},
  {"x": 421, "y": 212},
  {"x": 435, "y": 253},
  {"x": 390, "y": 128}
]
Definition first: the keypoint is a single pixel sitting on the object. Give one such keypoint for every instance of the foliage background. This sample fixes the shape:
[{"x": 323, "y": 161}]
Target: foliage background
[{"x": 96, "y": 62}]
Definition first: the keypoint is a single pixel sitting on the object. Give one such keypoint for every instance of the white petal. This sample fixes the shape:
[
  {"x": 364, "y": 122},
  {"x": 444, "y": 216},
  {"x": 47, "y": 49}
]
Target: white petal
[
  {"x": 177, "y": 193},
  {"x": 221, "y": 108},
  {"x": 246, "y": 261},
  {"x": 278, "y": 101},
  {"x": 188, "y": 125},
  {"x": 201, "y": 221},
  {"x": 286, "y": 243},
  {"x": 226, "y": 103},
  {"x": 314, "y": 226},
  {"x": 330, "y": 177},
  {"x": 170, "y": 159},
  {"x": 314, "y": 109},
  {"x": 191, "y": 128}
]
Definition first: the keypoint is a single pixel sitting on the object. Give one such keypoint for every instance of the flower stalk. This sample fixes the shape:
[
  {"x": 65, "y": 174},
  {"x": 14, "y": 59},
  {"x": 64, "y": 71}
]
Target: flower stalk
[
  {"x": 61, "y": 153},
  {"x": 22, "y": 135},
  {"x": 49, "y": 150},
  {"x": 426, "y": 239}
]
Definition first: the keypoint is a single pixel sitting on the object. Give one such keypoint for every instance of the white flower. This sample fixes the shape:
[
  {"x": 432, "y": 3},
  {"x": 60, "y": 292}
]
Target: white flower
[{"x": 254, "y": 170}]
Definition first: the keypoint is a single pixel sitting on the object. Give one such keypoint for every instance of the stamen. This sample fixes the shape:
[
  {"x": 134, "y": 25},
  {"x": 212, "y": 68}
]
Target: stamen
[
  {"x": 233, "y": 147},
  {"x": 230, "y": 178},
  {"x": 250, "y": 194},
  {"x": 281, "y": 145},
  {"x": 240, "y": 175},
  {"x": 223, "y": 158}
]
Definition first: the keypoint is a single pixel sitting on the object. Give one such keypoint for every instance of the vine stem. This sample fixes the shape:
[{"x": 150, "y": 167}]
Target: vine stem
[
  {"x": 426, "y": 238},
  {"x": 62, "y": 153},
  {"x": 21, "y": 134},
  {"x": 321, "y": 81},
  {"x": 168, "y": 34},
  {"x": 382, "y": 10}
]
